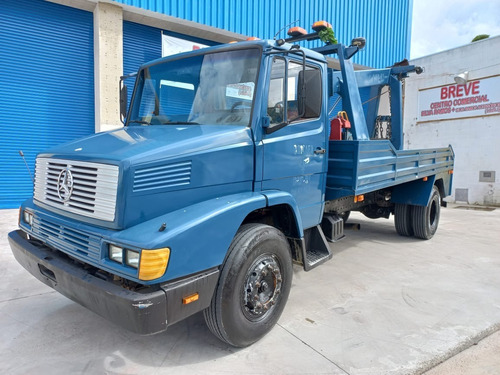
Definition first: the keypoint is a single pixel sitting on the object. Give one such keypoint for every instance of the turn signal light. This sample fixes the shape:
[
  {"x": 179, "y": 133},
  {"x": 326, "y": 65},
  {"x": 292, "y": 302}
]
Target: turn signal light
[
  {"x": 320, "y": 25},
  {"x": 359, "y": 198},
  {"x": 153, "y": 263},
  {"x": 193, "y": 297},
  {"x": 253, "y": 38},
  {"x": 296, "y": 31}
]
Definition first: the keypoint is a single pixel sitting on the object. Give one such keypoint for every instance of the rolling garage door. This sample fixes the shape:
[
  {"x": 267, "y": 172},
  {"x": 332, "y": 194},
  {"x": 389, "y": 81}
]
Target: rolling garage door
[
  {"x": 141, "y": 44},
  {"x": 46, "y": 86}
]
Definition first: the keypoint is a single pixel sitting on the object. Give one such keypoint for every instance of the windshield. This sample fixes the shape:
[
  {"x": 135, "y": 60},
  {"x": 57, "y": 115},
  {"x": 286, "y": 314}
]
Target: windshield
[{"x": 216, "y": 88}]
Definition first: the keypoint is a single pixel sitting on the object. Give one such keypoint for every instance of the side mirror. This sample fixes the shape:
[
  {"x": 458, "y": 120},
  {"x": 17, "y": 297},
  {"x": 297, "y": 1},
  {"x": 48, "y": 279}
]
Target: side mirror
[
  {"x": 123, "y": 101},
  {"x": 309, "y": 93}
]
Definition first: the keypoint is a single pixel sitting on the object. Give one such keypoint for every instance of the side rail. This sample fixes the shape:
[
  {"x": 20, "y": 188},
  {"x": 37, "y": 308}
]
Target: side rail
[{"x": 359, "y": 167}]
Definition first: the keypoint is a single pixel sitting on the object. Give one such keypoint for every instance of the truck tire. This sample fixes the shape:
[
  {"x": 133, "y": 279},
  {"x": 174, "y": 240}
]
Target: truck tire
[
  {"x": 425, "y": 219},
  {"x": 253, "y": 286},
  {"x": 402, "y": 219}
]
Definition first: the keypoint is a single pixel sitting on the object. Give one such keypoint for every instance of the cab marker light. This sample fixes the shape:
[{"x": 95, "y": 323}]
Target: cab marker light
[
  {"x": 320, "y": 25},
  {"x": 296, "y": 31}
]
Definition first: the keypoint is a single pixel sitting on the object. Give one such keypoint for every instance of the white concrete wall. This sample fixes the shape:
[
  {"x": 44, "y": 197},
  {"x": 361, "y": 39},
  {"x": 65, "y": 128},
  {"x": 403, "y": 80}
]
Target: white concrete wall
[
  {"x": 108, "y": 65},
  {"x": 475, "y": 140}
]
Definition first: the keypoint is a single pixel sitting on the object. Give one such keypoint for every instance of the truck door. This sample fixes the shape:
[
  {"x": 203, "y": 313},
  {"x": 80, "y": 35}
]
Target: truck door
[{"x": 294, "y": 157}]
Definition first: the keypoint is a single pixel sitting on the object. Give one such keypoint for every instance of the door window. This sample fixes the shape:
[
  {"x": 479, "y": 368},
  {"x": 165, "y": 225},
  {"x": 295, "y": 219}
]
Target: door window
[{"x": 283, "y": 101}]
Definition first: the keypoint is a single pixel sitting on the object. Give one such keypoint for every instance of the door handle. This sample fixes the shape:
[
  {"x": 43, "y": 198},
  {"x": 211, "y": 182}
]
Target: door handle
[{"x": 319, "y": 151}]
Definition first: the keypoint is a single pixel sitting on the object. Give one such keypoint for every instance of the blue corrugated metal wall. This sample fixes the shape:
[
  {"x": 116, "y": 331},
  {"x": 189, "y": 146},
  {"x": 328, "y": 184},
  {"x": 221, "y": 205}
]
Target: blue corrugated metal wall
[
  {"x": 384, "y": 23},
  {"x": 47, "y": 86}
]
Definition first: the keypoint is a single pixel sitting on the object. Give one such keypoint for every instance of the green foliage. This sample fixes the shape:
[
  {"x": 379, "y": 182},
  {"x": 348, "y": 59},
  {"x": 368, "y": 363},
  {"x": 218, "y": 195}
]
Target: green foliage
[
  {"x": 480, "y": 37},
  {"x": 327, "y": 36}
]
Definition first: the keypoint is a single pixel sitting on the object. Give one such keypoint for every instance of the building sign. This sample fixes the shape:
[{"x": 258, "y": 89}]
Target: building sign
[
  {"x": 171, "y": 45},
  {"x": 475, "y": 98}
]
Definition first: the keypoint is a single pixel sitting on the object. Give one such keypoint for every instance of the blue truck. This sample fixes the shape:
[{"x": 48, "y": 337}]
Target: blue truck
[{"x": 235, "y": 162}]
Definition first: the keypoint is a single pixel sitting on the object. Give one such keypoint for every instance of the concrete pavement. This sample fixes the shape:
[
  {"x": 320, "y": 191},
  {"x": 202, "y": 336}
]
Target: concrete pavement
[
  {"x": 383, "y": 305},
  {"x": 480, "y": 359}
]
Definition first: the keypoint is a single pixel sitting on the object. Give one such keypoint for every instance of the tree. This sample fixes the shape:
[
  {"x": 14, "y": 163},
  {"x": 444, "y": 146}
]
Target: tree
[{"x": 480, "y": 37}]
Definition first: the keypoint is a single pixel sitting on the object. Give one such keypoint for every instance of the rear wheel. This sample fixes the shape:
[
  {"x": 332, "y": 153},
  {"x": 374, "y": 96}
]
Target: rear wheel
[
  {"x": 253, "y": 286},
  {"x": 425, "y": 219},
  {"x": 402, "y": 219}
]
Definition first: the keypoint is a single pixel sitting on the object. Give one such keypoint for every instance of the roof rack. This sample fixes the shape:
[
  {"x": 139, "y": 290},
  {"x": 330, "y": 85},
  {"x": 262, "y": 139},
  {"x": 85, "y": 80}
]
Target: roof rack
[{"x": 298, "y": 34}]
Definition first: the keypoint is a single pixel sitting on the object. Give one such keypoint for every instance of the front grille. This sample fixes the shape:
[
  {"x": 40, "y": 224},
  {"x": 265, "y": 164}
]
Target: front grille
[
  {"x": 94, "y": 187},
  {"x": 74, "y": 242}
]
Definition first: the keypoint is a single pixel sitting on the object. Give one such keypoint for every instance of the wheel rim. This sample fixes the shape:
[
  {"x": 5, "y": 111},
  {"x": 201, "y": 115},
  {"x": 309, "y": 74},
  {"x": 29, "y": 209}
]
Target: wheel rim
[{"x": 262, "y": 287}]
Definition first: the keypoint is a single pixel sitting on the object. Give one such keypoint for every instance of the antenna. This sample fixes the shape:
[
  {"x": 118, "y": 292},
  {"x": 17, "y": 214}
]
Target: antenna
[
  {"x": 22, "y": 155},
  {"x": 283, "y": 28}
]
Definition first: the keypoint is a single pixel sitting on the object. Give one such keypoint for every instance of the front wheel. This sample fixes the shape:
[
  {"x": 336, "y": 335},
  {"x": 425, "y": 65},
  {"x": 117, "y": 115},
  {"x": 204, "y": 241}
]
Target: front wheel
[
  {"x": 253, "y": 286},
  {"x": 425, "y": 219}
]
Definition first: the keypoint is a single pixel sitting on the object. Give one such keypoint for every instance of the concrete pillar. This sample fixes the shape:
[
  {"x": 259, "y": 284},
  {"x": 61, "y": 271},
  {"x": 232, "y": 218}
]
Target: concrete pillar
[{"x": 108, "y": 65}]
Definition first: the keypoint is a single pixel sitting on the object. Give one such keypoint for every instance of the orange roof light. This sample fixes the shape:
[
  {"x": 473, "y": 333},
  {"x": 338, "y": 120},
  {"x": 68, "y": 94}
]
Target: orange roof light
[
  {"x": 425, "y": 178},
  {"x": 320, "y": 25},
  {"x": 296, "y": 31},
  {"x": 253, "y": 38},
  {"x": 233, "y": 41}
]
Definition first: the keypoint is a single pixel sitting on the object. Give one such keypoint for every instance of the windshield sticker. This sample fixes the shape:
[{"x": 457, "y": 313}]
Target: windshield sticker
[{"x": 242, "y": 90}]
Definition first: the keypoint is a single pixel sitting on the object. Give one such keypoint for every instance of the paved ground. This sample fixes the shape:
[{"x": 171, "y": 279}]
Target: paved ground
[
  {"x": 383, "y": 305},
  {"x": 480, "y": 359}
]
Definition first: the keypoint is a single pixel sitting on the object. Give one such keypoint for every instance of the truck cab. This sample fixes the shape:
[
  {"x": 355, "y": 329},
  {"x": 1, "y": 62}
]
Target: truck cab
[{"x": 223, "y": 175}]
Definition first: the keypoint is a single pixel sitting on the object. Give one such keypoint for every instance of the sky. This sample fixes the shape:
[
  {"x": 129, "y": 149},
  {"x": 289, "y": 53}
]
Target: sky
[{"x": 439, "y": 25}]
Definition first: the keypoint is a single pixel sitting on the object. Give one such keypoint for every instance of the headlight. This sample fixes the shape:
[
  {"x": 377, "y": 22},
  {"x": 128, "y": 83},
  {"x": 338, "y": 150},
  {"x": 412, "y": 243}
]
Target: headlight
[
  {"x": 28, "y": 217},
  {"x": 132, "y": 258},
  {"x": 151, "y": 264},
  {"x": 116, "y": 253}
]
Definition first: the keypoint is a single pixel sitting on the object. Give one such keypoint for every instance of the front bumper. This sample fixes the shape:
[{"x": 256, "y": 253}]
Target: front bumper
[{"x": 143, "y": 313}]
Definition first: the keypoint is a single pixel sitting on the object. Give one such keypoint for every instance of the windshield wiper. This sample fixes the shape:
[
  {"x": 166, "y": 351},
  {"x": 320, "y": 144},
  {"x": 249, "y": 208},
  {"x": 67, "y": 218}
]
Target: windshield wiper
[
  {"x": 139, "y": 122},
  {"x": 180, "y": 123}
]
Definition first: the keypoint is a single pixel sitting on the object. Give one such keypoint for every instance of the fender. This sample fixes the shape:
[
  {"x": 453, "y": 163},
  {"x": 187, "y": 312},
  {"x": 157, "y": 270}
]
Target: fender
[
  {"x": 276, "y": 197},
  {"x": 198, "y": 235},
  {"x": 416, "y": 193}
]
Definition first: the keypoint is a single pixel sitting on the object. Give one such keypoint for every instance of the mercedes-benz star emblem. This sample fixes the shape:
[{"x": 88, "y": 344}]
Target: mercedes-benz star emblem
[{"x": 65, "y": 185}]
